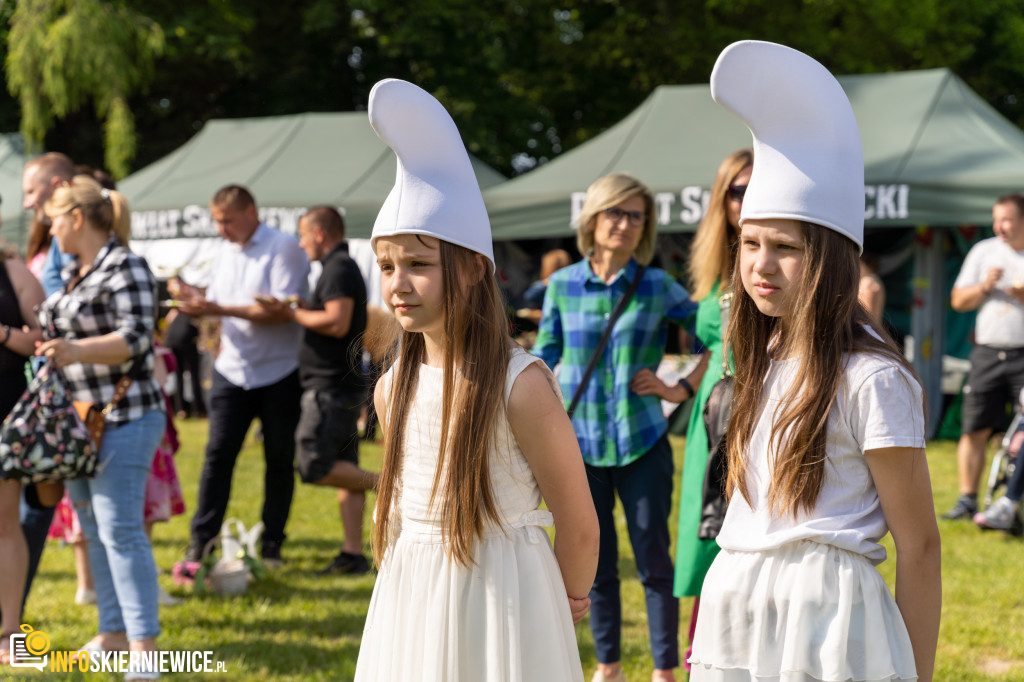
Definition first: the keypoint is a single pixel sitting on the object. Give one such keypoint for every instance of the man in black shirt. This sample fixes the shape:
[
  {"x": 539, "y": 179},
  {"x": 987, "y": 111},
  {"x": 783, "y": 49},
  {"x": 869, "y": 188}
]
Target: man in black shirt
[{"x": 334, "y": 388}]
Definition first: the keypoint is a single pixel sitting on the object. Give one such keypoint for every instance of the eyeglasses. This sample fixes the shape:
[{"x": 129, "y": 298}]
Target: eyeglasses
[
  {"x": 736, "y": 192},
  {"x": 615, "y": 214}
]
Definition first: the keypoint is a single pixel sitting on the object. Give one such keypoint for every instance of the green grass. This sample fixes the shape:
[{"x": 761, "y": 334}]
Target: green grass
[{"x": 296, "y": 626}]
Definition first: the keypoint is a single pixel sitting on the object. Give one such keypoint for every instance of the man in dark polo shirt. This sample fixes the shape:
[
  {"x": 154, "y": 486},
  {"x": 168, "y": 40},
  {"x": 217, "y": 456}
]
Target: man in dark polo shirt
[{"x": 334, "y": 388}]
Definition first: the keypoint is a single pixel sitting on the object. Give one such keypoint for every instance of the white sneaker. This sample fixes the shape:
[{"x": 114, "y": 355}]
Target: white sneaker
[
  {"x": 165, "y": 599},
  {"x": 999, "y": 515},
  {"x": 85, "y": 595},
  {"x": 137, "y": 672}
]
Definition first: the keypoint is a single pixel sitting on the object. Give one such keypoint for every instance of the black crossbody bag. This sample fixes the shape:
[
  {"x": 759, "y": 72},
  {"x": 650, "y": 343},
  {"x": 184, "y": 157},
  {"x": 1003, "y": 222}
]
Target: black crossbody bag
[{"x": 717, "y": 411}]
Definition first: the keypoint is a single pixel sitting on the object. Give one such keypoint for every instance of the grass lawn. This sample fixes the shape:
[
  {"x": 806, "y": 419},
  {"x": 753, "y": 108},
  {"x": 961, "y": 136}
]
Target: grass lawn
[{"x": 296, "y": 626}]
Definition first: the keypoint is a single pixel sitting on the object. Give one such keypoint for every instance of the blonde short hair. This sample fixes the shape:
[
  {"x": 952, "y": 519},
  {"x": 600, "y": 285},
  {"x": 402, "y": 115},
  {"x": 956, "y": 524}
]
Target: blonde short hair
[{"x": 612, "y": 190}]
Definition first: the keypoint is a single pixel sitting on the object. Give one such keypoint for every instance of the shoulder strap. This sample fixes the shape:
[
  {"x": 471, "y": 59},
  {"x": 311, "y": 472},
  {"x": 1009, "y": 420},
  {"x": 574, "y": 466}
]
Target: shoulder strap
[
  {"x": 725, "y": 313},
  {"x": 605, "y": 336},
  {"x": 122, "y": 386}
]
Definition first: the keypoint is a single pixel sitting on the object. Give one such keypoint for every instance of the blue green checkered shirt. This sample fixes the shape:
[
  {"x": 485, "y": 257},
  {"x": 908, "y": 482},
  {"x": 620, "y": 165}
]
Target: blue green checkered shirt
[{"x": 613, "y": 425}]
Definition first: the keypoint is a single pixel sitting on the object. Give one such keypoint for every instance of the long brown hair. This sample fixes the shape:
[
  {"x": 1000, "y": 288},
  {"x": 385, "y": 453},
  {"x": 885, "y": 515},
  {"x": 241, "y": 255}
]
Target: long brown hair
[
  {"x": 476, "y": 354},
  {"x": 825, "y": 324},
  {"x": 712, "y": 253}
]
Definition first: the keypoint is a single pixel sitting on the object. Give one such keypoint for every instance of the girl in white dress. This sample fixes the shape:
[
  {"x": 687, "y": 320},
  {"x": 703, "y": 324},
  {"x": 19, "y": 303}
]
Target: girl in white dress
[
  {"x": 475, "y": 433},
  {"x": 826, "y": 440}
]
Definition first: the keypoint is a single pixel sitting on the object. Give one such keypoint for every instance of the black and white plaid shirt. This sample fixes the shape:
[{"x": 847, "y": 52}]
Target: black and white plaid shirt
[{"x": 118, "y": 294}]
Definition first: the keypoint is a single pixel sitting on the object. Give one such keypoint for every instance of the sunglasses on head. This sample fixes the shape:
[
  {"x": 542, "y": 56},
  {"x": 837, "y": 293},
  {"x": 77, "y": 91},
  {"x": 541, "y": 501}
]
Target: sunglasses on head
[{"x": 736, "y": 192}]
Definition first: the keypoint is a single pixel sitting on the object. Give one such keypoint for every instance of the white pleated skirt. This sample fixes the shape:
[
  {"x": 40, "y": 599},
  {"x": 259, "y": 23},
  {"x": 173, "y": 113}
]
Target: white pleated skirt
[
  {"x": 506, "y": 619},
  {"x": 805, "y": 612}
]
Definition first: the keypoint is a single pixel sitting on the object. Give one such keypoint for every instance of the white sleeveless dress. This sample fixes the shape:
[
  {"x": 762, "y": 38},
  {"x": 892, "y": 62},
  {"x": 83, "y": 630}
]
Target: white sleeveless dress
[{"x": 504, "y": 619}]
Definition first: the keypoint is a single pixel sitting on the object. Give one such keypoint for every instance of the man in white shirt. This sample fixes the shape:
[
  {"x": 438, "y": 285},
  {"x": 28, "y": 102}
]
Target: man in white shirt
[
  {"x": 256, "y": 371},
  {"x": 991, "y": 281}
]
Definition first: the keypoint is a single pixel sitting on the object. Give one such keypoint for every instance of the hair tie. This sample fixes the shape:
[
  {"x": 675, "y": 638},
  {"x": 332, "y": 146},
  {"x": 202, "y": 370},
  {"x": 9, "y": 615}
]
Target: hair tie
[{"x": 105, "y": 193}]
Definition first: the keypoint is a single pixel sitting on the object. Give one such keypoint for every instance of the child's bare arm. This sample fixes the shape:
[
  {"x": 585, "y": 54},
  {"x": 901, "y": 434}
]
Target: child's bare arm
[
  {"x": 546, "y": 437},
  {"x": 905, "y": 492}
]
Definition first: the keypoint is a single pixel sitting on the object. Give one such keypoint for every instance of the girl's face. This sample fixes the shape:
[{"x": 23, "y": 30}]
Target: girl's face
[
  {"x": 619, "y": 228},
  {"x": 771, "y": 263},
  {"x": 412, "y": 282},
  {"x": 734, "y": 197}
]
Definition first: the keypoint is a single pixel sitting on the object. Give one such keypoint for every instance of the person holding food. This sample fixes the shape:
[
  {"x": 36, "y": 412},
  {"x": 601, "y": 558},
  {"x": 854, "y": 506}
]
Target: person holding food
[{"x": 256, "y": 372}]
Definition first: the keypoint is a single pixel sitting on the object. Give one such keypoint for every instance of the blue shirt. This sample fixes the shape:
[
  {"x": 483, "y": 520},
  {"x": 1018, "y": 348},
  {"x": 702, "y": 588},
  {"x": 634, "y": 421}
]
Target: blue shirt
[
  {"x": 269, "y": 264},
  {"x": 614, "y": 426},
  {"x": 53, "y": 267}
]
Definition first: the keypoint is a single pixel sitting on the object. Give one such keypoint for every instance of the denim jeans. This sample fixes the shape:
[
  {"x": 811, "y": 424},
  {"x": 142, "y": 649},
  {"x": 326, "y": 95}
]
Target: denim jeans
[
  {"x": 110, "y": 508},
  {"x": 231, "y": 411},
  {"x": 645, "y": 489}
]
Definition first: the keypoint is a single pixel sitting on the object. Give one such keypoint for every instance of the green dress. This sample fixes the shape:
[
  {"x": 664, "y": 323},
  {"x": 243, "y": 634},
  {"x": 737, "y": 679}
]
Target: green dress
[{"x": 693, "y": 555}]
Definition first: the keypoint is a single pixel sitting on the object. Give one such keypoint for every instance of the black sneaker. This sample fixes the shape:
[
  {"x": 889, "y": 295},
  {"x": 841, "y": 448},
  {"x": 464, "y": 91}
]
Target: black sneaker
[
  {"x": 270, "y": 553},
  {"x": 352, "y": 564},
  {"x": 964, "y": 509},
  {"x": 194, "y": 552}
]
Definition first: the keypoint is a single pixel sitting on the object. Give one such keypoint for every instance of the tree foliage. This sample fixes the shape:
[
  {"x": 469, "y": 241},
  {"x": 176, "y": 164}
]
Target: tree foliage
[
  {"x": 63, "y": 54},
  {"x": 525, "y": 80}
]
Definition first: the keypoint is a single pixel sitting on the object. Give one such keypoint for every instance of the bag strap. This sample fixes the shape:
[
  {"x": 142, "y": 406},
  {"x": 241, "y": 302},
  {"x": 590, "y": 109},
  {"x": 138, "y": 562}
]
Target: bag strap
[
  {"x": 121, "y": 387},
  {"x": 605, "y": 336},
  {"x": 724, "y": 314}
]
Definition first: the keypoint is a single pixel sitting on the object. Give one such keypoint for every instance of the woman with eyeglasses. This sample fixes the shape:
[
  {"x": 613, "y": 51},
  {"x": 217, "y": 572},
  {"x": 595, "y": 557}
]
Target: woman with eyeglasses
[
  {"x": 710, "y": 267},
  {"x": 618, "y": 420}
]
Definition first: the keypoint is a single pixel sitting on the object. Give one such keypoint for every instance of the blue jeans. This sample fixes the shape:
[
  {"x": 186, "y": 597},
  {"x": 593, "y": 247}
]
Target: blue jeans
[
  {"x": 110, "y": 508},
  {"x": 645, "y": 489}
]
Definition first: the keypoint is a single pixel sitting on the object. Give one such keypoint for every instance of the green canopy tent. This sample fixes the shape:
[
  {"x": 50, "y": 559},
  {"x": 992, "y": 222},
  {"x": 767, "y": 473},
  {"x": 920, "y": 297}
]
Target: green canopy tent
[
  {"x": 935, "y": 155},
  {"x": 288, "y": 162}
]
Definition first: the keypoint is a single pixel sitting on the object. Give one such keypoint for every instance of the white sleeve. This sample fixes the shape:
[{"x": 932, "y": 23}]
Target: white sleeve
[
  {"x": 970, "y": 272},
  {"x": 887, "y": 410},
  {"x": 289, "y": 270}
]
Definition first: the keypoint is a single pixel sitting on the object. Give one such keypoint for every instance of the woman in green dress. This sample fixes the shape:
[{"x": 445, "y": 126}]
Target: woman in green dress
[{"x": 711, "y": 261}]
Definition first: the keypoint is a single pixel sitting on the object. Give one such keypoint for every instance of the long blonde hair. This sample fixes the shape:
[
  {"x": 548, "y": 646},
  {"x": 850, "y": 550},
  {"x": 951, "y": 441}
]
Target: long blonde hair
[
  {"x": 826, "y": 324},
  {"x": 477, "y": 347},
  {"x": 611, "y": 190},
  {"x": 104, "y": 209},
  {"x": 713, "y": 252}
]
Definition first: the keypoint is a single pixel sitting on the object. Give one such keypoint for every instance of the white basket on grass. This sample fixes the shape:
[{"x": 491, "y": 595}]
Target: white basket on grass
[{"x": 237, "y": 565}]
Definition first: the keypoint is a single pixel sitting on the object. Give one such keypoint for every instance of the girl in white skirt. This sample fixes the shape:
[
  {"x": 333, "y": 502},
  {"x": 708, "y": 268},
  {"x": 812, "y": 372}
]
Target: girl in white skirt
[
  {"x": 826, "y": 439},
  {"x": 474, "y": 433}
]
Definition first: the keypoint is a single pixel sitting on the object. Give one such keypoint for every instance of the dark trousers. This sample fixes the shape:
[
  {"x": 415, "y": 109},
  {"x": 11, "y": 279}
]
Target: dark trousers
[
  {"x": 187, "y": 359},
  {"x": 35, "y": 524},
  {"x": 231, "y": 412},
  {"x": 645, "y": 489}
]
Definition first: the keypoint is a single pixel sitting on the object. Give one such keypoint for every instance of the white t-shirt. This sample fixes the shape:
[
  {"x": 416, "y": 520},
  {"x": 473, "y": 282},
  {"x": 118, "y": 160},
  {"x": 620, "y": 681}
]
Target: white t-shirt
[
  {"x": 878, "y": 405},
  {"x": 1000, "y": 321}
]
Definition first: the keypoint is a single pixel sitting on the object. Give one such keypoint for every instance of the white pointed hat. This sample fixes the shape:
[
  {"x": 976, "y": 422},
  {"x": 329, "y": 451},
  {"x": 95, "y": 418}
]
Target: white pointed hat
[
  {"x": 436, "y": 192},
  {"x": 808, "y": 160}
]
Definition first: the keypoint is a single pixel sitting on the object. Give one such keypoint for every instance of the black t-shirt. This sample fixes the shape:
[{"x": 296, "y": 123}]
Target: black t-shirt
[{"x": 326, "y": 362}]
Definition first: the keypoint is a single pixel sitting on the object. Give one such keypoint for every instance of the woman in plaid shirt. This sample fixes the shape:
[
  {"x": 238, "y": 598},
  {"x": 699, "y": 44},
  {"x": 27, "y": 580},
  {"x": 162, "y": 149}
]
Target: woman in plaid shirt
[
  {"x": 100, "y": 329},
  {"x": 619, "y": 422}
]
